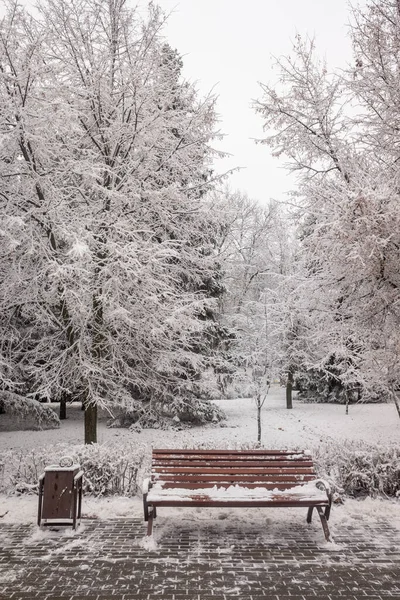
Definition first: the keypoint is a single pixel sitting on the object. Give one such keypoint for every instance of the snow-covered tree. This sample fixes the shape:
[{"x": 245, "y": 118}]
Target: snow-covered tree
[
  {"x": 256, "y": 251},
  {"x": 107, "y": 243},
  {"x": 338, "y": 131}
]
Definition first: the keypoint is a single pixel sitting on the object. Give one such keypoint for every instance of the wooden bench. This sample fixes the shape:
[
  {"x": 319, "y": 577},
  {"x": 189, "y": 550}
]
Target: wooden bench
[{"x": 235, "y": 478}]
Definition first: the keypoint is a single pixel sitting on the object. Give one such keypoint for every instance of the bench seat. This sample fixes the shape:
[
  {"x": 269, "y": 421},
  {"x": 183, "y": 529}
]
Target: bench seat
[
  {"x": 236, "y": 494},
  {"x": 228, "y": 478}
]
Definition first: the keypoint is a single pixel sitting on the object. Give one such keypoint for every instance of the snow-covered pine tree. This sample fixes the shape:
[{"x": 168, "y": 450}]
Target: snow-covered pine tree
[{"x": 195, "y": 180}]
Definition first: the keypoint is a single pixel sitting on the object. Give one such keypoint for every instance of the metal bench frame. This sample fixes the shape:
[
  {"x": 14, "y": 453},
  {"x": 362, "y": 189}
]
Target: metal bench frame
[{"x": 278, "y": 471}]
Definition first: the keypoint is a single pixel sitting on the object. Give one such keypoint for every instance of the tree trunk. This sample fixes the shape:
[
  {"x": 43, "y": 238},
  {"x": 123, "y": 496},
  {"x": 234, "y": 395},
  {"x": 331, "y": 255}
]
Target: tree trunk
[
  {"x": 63, "y": 407},
  {"x": 90, "y": 424},
  {"x": 395, "y": 398},
  {"x": 259, "y": 421},
  {"x": 397, "y": 403},
  {"x": 289, "y": 389}
]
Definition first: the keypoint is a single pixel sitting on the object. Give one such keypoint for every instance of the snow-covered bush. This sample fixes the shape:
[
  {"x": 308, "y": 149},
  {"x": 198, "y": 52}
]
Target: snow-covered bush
[
  {"x": 165, "y": 415},
  {"x": 359, "y": 469},
  {"x": 326, "y": 386},
  {"x": 19, "y": 412},
  {"x": 353, "y": 468},
  {"x": 200, "y": 413},
  {"x": 111, "y": 470},
  {"x": 108, "y": 469}
]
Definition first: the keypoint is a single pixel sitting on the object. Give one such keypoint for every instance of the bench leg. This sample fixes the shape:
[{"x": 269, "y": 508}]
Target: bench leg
[
  {"x": 150, "y": 522},
  {"x": 74, "y": 507},
  {"x": 324, "y": 522},
  {"x": 80, "y": 502},
  {"x": 327, "y": 512},
  {"x": 145, "y": 508},
  {"x": 39, "y": 517},
  {"x": 309, "y": 514}
]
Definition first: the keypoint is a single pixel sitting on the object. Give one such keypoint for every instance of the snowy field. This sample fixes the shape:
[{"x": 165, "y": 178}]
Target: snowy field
[{"x": 304, "y": 426}]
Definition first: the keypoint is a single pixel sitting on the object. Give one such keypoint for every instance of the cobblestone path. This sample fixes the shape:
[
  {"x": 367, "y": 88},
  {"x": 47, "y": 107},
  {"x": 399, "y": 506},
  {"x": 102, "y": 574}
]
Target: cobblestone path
[{"x": 108, "y": 560}]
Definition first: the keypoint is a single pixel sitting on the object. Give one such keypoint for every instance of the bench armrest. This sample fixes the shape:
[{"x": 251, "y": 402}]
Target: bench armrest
[
  {"x": 146, "y": 485},
  {"x": 322, "y": 484}
]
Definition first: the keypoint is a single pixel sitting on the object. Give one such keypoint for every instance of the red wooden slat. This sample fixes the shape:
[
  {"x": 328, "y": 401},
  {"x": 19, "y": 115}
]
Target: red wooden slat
[
  {"x": 210, "y": 473},
  {"x": 233, "y": 452},
  {"x": 216, "y": 472},
  {"x": 280, "y": 485},
  {"x": 159, "y": 464},
  {"x": 279, "y": 502},
  {"x": 217, "y": 459},
  {"x": 242, "y": 469},
  {"x": 229, "y": 478},
  {"x": 228, "y": 457}
]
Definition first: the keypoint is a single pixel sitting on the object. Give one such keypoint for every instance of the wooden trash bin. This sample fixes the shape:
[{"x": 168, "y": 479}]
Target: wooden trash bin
[{"x": 60, "y": 494}]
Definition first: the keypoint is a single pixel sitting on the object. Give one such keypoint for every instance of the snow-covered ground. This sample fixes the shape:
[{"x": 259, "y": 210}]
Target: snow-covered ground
[
  {"x": 303, "y": 426},
  {"x": 272, "y": 521}
]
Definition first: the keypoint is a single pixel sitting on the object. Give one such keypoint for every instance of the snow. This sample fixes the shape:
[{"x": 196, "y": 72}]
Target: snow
[
  {"x": 73, "y": 467},
  {"x": 302, "y": 427},
  {"x": 79, "y": 249},
  {"x": 305, "y": 492},
  {"x": 23, "y": 509}
]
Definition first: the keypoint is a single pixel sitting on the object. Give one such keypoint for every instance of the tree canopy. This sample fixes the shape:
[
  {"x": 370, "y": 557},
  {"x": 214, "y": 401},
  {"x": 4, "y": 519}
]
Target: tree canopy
[{"x": 107, "y": 261}]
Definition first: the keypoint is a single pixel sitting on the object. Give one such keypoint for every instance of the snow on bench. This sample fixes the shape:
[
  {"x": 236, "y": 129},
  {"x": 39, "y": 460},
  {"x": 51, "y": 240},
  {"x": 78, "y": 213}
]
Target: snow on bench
[{"x": 235, "y": 478}]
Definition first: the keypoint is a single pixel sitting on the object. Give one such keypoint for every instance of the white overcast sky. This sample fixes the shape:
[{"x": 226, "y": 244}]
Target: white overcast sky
[{"x": 228, "y": 45}]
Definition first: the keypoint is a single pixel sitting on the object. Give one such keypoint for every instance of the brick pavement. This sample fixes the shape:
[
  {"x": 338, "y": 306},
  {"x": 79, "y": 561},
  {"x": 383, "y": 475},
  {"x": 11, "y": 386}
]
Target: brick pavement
[{"x": 200, "y": 561}]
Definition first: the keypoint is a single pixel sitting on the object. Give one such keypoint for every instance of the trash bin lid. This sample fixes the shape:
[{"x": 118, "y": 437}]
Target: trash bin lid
[{"x": 73, "y": 467}]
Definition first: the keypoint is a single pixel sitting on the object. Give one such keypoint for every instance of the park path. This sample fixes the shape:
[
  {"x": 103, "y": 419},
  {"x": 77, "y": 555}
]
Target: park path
[{"x": 209, "y": 561}]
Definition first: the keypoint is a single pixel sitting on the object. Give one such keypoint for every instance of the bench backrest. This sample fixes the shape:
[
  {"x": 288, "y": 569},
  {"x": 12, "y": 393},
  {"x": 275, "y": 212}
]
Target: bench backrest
[{"x": 196, "y": 469}]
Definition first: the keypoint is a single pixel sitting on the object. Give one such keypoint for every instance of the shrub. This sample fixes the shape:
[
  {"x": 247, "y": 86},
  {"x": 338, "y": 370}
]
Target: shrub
[
  {"x": 25, "y": 413},
  {"x": 108, "y": 469},
  {"x": 353, "y": 468},
  {"x": 360, "y": 469},
  {"x": 203, "y": 411},
  {"x": 326, "y": 386},
  {"x": 164, "y": 416}
]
